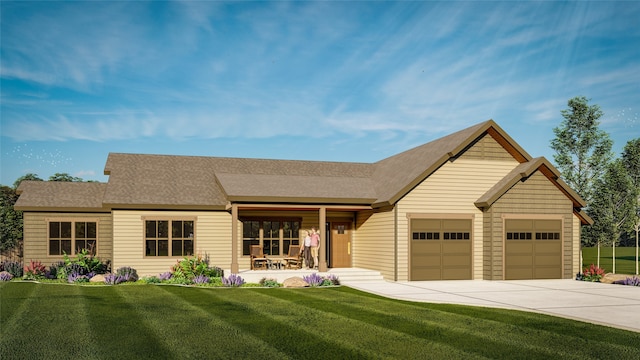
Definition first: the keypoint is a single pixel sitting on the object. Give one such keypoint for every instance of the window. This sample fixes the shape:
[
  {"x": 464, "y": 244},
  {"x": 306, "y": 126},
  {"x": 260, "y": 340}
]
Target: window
[
  {"x": 547, "y": 236},
  {"x": 250, "y": 235},
  {"x": 456, "y": 236},
  {"x": 426, "y": 236},
  {"x": 441, "y": 229},
  {"x": 518, "y": 236},
  {"x": 290, "y": 235},
  {"x": 158, "y": 237},
  {"x": 530, "y": 229},
  {"x": 275, "y": 235},
  {"x": 71, "y": 237},
  {"x": 271, "y": 237},
  {"x": 86, "y": 237}
]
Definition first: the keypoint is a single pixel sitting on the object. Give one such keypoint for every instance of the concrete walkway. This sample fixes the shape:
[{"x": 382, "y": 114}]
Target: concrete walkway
[{"x": 605, "y": 304}]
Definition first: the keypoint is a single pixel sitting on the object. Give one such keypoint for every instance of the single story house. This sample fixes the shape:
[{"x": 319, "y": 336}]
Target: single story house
[{"x": 470, "y": 205}]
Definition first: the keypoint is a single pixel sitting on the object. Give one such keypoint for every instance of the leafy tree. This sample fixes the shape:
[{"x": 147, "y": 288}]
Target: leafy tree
[
  {"x": 10, "y": 219},
  {"x": 64, "y": 177},
  {"x": 582, "y": 149},
  {"x": 613, "y": 209},
  {"x": 631, "y": 160},
  {"x": 28, "y": 176}
]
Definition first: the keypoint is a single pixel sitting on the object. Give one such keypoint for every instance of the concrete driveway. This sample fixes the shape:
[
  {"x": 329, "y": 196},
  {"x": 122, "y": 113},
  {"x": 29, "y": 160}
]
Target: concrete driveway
[{"x": 605, "y": 304}]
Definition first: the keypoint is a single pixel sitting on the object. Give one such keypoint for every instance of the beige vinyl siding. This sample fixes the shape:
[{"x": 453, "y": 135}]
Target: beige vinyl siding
[
  {"x": 36, "y": 240},
  {"x": 536, "y": 197},
  {"x": 486, "y": 148},
  {"x": 452, "y": 189},
  {"x": 373, "y": 242},
  {"x": 212, "y": 238}
]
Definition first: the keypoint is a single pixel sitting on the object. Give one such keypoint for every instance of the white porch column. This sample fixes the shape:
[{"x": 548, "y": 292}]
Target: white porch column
[
  {"x": 234, "y": 239},
  {"x": 322, "y": 227}
]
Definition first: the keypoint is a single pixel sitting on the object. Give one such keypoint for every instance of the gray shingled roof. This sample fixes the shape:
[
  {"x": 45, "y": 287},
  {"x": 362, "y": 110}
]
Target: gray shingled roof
[
  {"x": 84, "y": 196},
  {"x": 170, "y": 181}
]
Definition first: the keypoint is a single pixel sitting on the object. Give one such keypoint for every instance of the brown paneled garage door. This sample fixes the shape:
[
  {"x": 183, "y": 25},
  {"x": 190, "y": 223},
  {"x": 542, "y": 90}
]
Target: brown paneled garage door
[
  {"x": 441, "y": 249},
  {"x": 533, "y": 249}
]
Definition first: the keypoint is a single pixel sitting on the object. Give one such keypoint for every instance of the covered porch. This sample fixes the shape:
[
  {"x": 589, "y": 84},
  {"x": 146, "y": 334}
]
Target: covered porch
[{"x": 277, "y": 227}]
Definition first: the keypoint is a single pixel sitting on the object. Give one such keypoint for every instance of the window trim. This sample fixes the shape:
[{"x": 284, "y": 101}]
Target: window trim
[{"x": 73, "y": 221}]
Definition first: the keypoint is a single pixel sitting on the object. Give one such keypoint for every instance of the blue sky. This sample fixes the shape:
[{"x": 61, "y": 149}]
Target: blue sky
[{"x": 337, "y": 81}]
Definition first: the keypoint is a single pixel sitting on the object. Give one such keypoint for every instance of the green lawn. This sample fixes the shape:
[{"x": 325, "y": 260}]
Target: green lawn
[
  {"x": 49, "y": 321},
  {"x": 625, "y": 258}
]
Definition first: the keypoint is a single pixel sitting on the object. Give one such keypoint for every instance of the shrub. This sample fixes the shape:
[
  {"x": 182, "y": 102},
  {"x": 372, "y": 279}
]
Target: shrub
[
  {"x": 165, "y": 276},
  {"x": 233, "y": 281},
  {"x": 313, "y": 279},
  {"x": 14, "y": 268},
  {"x": 75, "y": 277},
  {"x": 201, "y": 279},
  {"x": 113, "y": 279},
  {"x": 128, "y": 273},
  {"x": 34, "y": 270},
  {"x": 84, "y": 264},
  {"x": 5, "y": 276},
  {"x": 190, "y": 267},
  {"x": 269, "y": 282},
  {"x": 333, "y": 279},
  {"x": 317, "y": 280},
  {"x": 151, "y": 280},
  {"x": 630, "y": 281},
  {"x": 54, "y": 269},
  {"x": 592, "y": 273}
]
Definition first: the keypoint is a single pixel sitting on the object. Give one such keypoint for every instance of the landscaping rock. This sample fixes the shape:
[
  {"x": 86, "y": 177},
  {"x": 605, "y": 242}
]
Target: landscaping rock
[
  {"x": 611, "y": 278},
  {"x": 294, "y": 282},
  {"x": 97, "y": 278}
]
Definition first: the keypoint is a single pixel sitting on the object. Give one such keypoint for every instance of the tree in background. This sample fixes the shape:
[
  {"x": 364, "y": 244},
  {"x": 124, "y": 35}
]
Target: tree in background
[
  {"x": 29, "y": 176},
  {"x": 582, "y": 149},
  {"x": 11, "y": 228},
  {"x": 613, "y": 208},
  {"x": 631, "y": 160},
  {"x": 64, "y": 177}
]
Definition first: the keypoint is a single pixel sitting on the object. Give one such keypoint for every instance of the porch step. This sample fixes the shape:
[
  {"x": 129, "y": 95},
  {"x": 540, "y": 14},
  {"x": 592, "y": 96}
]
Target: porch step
[{"x": 345, "y": 275}]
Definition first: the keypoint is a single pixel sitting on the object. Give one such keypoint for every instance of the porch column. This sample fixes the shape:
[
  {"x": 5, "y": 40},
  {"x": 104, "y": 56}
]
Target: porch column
[
  {"x": 234, "y": 239},
  {"x": 322, "y": 227}
]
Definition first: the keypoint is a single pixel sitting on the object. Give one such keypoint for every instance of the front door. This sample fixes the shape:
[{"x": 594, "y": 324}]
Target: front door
[{"x": 340, "y": 245}]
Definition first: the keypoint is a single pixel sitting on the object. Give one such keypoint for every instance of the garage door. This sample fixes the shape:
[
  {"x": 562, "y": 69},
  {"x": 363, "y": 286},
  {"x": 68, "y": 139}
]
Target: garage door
[
  {"x": 533, "y": 249},
  {"x": 440, "y": 249}
]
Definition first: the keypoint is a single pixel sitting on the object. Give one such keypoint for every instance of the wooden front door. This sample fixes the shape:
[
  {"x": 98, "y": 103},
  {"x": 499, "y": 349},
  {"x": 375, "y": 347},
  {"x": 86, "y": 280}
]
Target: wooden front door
[{"x": 341, "y": 245}]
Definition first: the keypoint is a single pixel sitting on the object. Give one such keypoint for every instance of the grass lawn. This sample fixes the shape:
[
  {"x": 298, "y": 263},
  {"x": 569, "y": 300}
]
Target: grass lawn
[
  {"x": 625, "y": 258},
  {"x": 42, "y": 321}
]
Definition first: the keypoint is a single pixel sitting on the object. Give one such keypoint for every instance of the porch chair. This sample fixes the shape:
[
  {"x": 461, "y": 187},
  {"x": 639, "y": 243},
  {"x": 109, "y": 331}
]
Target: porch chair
[
  {"x": 258, "y": 260},
  {"x": 294, "y": 258}
]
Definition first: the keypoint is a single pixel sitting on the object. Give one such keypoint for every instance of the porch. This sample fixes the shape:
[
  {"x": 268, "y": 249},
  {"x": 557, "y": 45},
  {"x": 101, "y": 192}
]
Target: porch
[{"x": 345, "y": 275}]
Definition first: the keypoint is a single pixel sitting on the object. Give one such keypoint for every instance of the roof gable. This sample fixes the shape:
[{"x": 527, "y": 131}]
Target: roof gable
[
  {"x": 395, "y": 176},
  {"x": 522, "y": 172}
]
